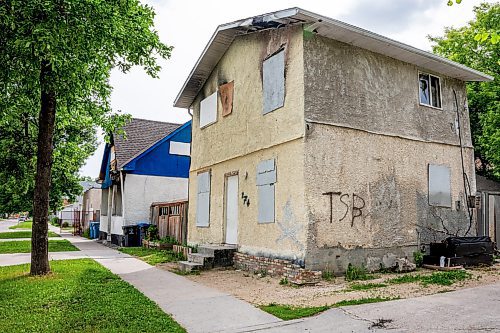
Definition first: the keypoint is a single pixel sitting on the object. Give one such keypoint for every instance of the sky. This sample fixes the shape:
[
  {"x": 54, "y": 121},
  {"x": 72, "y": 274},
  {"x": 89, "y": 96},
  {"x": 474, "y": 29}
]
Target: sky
[{"x": 188, "y": 26}]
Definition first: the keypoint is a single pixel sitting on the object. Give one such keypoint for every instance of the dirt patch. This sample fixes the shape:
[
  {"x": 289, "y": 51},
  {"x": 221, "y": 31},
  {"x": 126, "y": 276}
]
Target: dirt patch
[{"x": 263, "y": 290}]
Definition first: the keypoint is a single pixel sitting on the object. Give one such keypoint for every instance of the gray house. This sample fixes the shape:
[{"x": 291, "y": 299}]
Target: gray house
[{"x": 324, "y": 144}]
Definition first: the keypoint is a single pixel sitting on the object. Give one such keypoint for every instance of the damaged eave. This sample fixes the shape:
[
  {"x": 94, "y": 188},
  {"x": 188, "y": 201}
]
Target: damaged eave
[{"x": 225, "y": 34}]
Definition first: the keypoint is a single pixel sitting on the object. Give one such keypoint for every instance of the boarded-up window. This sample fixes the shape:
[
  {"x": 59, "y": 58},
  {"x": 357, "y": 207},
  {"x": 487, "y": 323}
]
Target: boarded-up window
[
  {"x": 117, "y": 202},
  {"x": 208, "y": 110},
  {"x": 266, "y": 178},
  {"x": 273, "y": 82},
  {"x": 203, "y": 200},
  {"x": 180, "y": 148},
  {"x": 439, "y": 186},
  {"x": 226, "y": 98},
  {"x": 104, "y": 201}
]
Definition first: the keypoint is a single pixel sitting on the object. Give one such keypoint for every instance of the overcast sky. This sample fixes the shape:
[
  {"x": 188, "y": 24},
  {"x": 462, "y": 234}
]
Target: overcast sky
[{"x": 188, "y": 25}]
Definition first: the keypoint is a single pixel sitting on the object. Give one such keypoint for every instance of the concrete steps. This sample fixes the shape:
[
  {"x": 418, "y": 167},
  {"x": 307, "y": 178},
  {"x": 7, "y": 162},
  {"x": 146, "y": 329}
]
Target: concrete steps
[{"x": 209, "y": 256}]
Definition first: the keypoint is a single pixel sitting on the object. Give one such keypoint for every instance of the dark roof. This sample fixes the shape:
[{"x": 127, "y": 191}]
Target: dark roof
[{"x": 140, "y": 135}]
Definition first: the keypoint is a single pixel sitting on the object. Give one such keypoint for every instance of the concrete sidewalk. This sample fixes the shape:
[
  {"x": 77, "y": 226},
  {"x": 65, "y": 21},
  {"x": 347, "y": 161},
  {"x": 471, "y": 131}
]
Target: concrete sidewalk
[
  {"x": 194, "y": 306},
  {"x": 11, "y": 259}
]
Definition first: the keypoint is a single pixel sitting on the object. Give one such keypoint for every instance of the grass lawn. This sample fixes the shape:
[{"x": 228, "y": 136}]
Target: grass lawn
[
  {"x": 78, "y": 296},
  {"x": 152, "y": 256},
  {"x": 287, "y": 312},
  {"x": 22, "y": 234},
  {"x": 23, "y": 225},
  {"x": 25, "y": 246}
]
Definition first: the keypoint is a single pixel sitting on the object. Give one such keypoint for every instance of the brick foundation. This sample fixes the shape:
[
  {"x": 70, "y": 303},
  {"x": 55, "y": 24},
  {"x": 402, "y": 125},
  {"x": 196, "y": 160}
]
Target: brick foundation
[{"x": 276, "y": 267}]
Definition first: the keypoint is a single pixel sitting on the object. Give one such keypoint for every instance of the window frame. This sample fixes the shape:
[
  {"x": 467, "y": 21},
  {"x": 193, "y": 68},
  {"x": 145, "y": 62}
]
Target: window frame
[{"x": 430, "y": 91}]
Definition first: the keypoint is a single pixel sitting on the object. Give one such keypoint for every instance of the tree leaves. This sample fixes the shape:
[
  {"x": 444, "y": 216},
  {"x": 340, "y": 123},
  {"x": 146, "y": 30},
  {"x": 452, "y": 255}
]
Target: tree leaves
[
  {"x": 476, "y": 45},
  {"x": 81, "y": 40}
]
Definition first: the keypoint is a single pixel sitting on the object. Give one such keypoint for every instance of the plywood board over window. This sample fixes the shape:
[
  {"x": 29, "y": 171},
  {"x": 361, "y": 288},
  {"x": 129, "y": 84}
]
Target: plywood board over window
[
  {"x": 273, "y": 82},
  {"x": 208, "y": 110},
  {"x": 203, "y": 200},
  {"x": 226, "y": 92},
  {"x": 266, "y": 179},
  {"x": 439, "y": 186}
]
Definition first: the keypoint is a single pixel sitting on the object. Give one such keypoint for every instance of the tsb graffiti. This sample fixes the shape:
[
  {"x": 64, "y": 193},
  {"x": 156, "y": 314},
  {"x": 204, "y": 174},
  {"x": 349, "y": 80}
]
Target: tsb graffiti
[{"x": 353, "y": 203}]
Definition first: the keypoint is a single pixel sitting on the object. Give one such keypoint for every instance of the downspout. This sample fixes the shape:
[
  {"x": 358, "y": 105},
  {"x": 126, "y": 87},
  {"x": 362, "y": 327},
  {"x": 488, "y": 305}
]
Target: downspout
[
  {"x": 110, "y": 211},
  {"x": 122, "y": 187}
]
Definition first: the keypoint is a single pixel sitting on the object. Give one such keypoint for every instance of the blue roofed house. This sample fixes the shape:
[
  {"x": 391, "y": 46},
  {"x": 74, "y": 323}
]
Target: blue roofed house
[{"x": 149, "y": 164}]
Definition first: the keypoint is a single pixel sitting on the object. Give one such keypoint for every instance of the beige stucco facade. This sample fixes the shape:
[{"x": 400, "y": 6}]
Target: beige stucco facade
[{"x": 351, "y": 131}]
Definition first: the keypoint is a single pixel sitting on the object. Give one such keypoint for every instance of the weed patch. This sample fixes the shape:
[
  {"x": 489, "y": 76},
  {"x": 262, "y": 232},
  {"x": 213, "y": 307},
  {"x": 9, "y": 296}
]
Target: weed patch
[
  {"x": 365, "y": 286},
  {"x": 354, "y": 273},
  {"x": 287, "y": 312}
]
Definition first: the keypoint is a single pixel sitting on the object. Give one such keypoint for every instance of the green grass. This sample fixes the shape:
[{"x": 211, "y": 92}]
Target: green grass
[
  {"x": 23, "y": 225},
  {"x": 25, "y": 246},
  {"x": 364, "y": 301},
  {"x": 22, "y": 234},
  {"x": 365, "y": 286},
  {"x": 287, "y": 312},
  {"x": 152, "y": 256},
  {"x": 446, "y": 278},
  {"x": 78, "y": 296}
]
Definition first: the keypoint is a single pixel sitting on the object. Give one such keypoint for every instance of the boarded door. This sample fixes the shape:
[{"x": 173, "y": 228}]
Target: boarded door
[{"x": 232, "y": 210}]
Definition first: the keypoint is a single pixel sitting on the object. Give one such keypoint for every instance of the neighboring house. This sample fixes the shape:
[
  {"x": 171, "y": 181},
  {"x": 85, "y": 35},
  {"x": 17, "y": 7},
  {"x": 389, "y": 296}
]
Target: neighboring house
[
  {"x": 325, "y": 144},
  {"x": 83, "y": 209},
  {"x": 488, "y": 214},
  {"x": 150, "y": 163},
  {"x": 91, "y": 205}
]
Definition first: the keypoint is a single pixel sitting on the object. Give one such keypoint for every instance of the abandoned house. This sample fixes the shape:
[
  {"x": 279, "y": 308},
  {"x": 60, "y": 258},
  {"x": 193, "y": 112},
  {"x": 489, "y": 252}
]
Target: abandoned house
[
  {"x": 149, "y": 163},
  {"x": 324, "y": 144}
]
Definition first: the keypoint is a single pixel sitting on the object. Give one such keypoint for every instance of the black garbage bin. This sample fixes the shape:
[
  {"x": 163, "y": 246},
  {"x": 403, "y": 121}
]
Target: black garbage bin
[
  {"x": 142, "y": 228},
  {"x": 130, "y": 236}
]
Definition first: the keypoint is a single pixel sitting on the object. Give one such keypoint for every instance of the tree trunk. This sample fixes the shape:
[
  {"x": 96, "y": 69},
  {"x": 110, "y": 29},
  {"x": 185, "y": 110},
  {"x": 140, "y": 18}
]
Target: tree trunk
[{"x": 46, "y": 122}]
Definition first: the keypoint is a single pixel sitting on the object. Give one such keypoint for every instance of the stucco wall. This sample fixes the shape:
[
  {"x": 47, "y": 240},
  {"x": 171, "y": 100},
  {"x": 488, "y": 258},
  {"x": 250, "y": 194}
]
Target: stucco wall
[
  {"x": 286, "y": 237},
  {"x": 387, "y": 177},
  {"x": 246, "y": 130},
  {"x": 370, "y": 141},
  {"x": 352, "y": 87},
  {"x": 141, "y": 191}
]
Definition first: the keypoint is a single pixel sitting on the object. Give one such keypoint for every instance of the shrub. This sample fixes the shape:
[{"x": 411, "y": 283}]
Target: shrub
[
  {"x": 169, "y": 240},
  {"x": 64, "y": 225},
  {"x": 152, "y": 233},
  {"x": 54, "y": 221},
  {"x": 418, "y": 258}
]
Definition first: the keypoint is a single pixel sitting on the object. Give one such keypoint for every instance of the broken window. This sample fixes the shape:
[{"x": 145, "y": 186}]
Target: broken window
[
  {"x": 429, "y": 90},
  {"x": 203, "y": 200},
  {"x": 273, "y": 82},
  {"x": 266, "y": 179},
  {"x": 208, "y": 110},
  {"x": 439, "y": 186}
]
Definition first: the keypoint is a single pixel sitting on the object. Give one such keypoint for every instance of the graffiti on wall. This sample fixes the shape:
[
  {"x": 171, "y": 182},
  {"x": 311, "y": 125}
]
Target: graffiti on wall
[
  {"x": 289, "y": 228},
  {"x": 352, "y": 203}
]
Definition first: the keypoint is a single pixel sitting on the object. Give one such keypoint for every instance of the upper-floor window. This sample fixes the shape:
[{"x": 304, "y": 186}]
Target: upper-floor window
[
  {"x": 208, "y": 110},
  {"x": 429, "y": 90},
  {"x": 273, "y": 82}
]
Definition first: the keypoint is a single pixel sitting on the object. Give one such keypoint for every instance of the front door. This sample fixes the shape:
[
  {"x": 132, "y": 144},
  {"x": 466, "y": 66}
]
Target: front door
[{"x": 232, "y": 210}]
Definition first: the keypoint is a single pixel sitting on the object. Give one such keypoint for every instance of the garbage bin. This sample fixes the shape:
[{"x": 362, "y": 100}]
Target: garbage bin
[
  {"x": 94, "y": 230},
  {"x": 142, "y": 227},
  {"x": 130, "y": 235}
]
